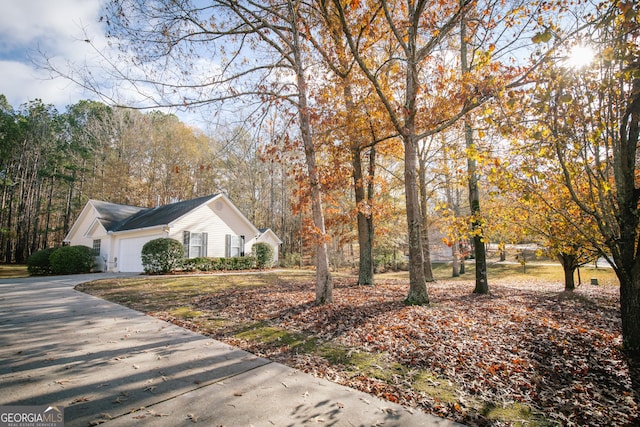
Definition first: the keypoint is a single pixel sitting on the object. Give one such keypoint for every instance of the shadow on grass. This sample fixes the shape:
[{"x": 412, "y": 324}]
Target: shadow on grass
[
  {"x": 565, "y": 338},
  {"x": 13, "y": 271}
]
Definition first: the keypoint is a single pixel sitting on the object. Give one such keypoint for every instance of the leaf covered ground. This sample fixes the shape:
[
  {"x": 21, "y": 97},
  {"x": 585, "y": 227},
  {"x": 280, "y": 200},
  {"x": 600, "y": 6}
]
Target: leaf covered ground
[{"x": 527, "y": 354}]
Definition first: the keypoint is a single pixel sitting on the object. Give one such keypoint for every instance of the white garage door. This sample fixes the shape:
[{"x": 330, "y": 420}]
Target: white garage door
[{"x": 130, "y": 253}]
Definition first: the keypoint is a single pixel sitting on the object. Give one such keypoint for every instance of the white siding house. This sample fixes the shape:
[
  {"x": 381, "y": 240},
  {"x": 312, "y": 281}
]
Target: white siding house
[{"x": 208, "y": 227}]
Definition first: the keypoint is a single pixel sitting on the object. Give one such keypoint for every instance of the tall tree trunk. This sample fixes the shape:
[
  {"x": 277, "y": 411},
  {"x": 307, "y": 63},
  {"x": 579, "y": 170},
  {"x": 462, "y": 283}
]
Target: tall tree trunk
[
  {"x": 624, "y": 248},
  {"x": 365, "y": 269},
  {"x": 364, "y": 215},
  {"x": 33, "y": 244},
  {"x": 287, "y": 247},
  {"x": 370, "y": 196},
  {"x": 569, "y": 264},
  {"x": 324, "y": 283},
  {"x": 22, "y": 222},
  {"x": 417, "y": 281},
  {"x": 455, "y": 257},
  {"x": 630, "y": 309},
  {"x": 47, "y": 224},
  {"x": 482, "y": 285},
  {"x": 503, "y": 251},
  {"x": 8, "y": 253},
  {"x": 68, "y": 210},
  {"x": 406, "y": 128},
  {"x": 272, "y": 197},
  {"x": 479, "y": 250}
]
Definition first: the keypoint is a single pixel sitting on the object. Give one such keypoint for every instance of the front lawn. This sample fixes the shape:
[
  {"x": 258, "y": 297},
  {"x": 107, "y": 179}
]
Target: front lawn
[
  {"x": 13, "y": 271},
  {"x": 529, "y": 354}
]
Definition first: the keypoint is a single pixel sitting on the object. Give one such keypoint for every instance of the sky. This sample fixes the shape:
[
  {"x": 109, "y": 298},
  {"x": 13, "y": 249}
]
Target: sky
[
  {"x": 55, "y": 27},
  {"x": 32, "y": 30}
]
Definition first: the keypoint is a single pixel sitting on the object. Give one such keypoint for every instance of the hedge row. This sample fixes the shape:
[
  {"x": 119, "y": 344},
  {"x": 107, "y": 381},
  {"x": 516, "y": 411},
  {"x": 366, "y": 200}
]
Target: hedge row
[
  {"x": 165, "y": 255},
  {"x": 162, "y": 255},
  {"x": 218, "y": 264},
  {"x": 63, "y": 260}
]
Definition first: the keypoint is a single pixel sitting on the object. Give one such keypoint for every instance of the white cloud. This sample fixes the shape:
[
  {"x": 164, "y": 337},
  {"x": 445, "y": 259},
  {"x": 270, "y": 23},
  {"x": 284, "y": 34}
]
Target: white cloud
[
  {"x": 21, "y": 83},
  {"x": 59, "y": 29},
  {"x": 55, "y": 28},
  {"x": 24, "y": 21}
]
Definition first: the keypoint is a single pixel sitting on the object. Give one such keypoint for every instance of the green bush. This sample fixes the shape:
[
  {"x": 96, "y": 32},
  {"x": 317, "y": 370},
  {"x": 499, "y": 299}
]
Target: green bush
[
  {"x": 72, "y": 260},
  {"x": 38, "y": 263},
  {"x": 235, "y": 263},
  {"x": 162, "y": 255},
  {"x": 244, "y": 263},
  {"x": 217, "y": 264},
  {"x": 197, "y": 264},
  {"x": 264, "y": 255}
]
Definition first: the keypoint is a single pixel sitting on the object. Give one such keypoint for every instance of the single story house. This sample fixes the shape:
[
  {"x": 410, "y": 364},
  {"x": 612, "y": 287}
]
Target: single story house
[{"x": 208, "y": 226}]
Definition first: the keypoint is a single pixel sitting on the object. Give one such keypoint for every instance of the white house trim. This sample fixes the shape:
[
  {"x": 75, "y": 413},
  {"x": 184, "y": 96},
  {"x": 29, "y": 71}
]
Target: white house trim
[{"x": 123, "y": 230}]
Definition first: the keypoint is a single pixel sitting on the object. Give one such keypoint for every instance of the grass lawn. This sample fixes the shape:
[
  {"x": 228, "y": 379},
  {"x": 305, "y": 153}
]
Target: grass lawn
[
  {"x": 12, "y": 271},
  {"x": 528, "y": 354}
]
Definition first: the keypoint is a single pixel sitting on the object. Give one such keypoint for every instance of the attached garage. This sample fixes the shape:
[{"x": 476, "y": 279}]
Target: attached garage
[
  {"x": 130, "y": 253},
  {"x": 207, "y": 226}
]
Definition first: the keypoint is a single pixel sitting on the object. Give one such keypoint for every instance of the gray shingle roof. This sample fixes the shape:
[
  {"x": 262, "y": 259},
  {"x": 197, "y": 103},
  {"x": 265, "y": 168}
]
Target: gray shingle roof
[
  {"x": 122, "y": 217},
  {"x": 111, "y": 215}
]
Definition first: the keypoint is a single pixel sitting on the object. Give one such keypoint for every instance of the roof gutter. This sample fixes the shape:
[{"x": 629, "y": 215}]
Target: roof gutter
[{"x": 162, "y": 227}]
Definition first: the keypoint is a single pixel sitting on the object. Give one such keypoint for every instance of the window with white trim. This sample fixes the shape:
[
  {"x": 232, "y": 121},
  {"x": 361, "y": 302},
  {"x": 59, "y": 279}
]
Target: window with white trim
[
  {"x": 235, "y": 246},
  {"x": 96, "y": 247},
  {"x": 195, "y": 244}
]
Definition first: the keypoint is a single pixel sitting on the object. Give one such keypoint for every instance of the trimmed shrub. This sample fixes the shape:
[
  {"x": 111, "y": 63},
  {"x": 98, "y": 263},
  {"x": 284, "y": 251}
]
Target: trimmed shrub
[
  {"x": 217, "y": 264},
  {"x": 244, "y": 263},
  {"x": 264, "y": 255},
  {"x": 72, "y": 260},
  {"x": 235, "y": 263},
  {"x": 197, "y": 264},
  {"x": 38, "y": 263},
  {"x": 162, "y": 255}
]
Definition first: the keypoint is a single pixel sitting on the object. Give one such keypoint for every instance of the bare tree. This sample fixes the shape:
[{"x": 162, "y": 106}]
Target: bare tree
[{"x": 232, "y": 54}]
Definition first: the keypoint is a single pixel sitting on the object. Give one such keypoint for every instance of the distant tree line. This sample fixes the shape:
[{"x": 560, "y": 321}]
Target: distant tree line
[{"x": 51, "y": 163}]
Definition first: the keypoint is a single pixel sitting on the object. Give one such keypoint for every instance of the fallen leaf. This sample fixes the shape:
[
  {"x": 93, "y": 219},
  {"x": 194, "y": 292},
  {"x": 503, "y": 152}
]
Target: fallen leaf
[{"x": 528, "y": 343}]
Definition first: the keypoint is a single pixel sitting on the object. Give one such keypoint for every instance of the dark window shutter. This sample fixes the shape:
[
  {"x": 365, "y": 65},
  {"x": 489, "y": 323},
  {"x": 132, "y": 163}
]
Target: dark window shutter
[
  {"x": 227, "y": 248},
  {"x": 185, "y": 241},
  {"x": 205, "y": 241},
  {"x": 241, "y": 245}
]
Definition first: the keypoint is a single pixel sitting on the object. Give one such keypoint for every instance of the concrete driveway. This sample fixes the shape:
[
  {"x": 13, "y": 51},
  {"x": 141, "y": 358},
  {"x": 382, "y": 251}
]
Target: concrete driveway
[{"x": 105, "y": 363}]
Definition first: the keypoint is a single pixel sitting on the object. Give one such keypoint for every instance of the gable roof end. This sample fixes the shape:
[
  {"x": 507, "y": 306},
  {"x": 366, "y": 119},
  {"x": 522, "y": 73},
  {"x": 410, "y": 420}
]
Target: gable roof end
[{"x": 264, "y": 231}]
